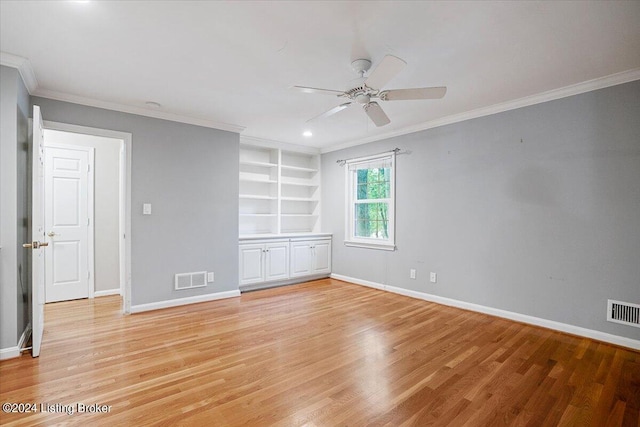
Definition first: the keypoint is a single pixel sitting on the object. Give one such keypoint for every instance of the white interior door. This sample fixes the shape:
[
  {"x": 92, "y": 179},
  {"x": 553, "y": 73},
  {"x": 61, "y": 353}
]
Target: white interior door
[
  {"x": 67, "y": 223},
  {"x": 37, "y": 235}
]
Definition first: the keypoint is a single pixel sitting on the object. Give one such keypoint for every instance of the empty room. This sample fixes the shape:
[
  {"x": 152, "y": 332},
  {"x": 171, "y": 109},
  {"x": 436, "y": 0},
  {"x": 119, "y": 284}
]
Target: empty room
[{"x": 320, "y": 213}]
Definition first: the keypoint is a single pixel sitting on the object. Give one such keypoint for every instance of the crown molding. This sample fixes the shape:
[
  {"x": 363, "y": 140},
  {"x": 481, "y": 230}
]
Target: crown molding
[
  {"x": 23, "y": 65},
  {"x": 89, "y": 102},
  {"x": 575, "y": 89},
  {"x": 268, "y": 143}
]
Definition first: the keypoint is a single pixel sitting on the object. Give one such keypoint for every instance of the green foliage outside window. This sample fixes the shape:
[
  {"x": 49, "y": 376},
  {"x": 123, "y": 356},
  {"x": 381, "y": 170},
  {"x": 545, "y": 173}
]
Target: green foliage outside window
[{"x": 371, "y": 213}]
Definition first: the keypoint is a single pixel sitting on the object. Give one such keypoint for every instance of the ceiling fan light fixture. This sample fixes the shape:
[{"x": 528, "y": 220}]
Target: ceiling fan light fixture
[{"x": 307, "y": 134}]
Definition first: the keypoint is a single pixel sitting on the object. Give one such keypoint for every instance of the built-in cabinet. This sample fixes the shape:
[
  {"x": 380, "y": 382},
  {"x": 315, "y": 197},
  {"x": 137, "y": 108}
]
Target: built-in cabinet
[
  {"x": 279, "y": 191},
  {"x": 310, "y": 257},
  {"x": 264, "y": 262},
  {"x": 270, "y": 262}
]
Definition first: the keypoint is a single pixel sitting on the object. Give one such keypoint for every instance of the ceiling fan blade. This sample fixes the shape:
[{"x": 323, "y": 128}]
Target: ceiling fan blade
[
  {"x": 331, "y": 112},
  {"x": 316, "y": 90},
  {"x": 385, "y": 71},
  {"x": 375, "y": 113},
  {"x": 415, "y": 93}
]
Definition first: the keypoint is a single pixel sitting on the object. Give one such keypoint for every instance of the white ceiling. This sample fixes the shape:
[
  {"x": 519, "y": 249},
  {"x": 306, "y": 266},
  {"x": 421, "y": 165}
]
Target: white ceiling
[{"x": 230, "y": 64}]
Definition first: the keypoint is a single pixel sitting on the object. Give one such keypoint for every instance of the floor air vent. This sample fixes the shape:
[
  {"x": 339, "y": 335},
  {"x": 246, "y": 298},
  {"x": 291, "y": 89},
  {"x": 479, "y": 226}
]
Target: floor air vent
[
  {"x": 191, "y": 280},
  {"x": 623, "y": 312}
]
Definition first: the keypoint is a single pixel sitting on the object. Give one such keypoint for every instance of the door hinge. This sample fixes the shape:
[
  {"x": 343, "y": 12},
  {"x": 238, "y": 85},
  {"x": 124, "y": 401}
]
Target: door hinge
[
  {"x": 88, "y": 221},
  {"x": 88, "y": 168},
  {"x": 88, "y": 275}
]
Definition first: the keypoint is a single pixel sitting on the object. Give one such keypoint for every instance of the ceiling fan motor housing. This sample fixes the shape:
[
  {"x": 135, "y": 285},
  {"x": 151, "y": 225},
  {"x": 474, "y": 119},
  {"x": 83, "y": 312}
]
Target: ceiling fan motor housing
[{"x": 360, "y": 66}]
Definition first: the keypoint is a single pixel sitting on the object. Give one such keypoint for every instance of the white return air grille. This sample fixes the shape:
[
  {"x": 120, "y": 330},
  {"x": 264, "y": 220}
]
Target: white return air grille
[
  {"x": 623, "y": 312},
  {"x": 191, "y": 280}
]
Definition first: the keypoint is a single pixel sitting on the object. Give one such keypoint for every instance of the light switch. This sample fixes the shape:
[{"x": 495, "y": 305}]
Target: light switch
[
  {"x": 146, "y": 209},
  {"x": 210, "y": 277}
]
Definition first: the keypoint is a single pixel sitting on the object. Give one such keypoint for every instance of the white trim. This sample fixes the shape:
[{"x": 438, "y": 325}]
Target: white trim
[
  {"x": 126, "y": 139},
  {"x": 524, "y": 318},
  {"x": 380, "y": 246},
  {"x": 140, "y": 111},
  {"x": 267, "y": 143},
  {"x": 563, "y": 92},
  {"x": 108, "y": 292},
  {"x": 24, "y": 68},
  {"x": 183, "y": 301},
  {"x": 13, "y": 352}
]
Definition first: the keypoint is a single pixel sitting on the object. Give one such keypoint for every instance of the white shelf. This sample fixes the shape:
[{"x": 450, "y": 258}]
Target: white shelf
[
  {"x": 299, "y": 199},
  {"x": 300, "y": 184},
  {"x": 299, "y": 168},
  {"x": 260, "y": 164},
  {"x": 283, "y": 183},
  {"x": 257, "y": 197},
  {"x": 264, "y": 181}
]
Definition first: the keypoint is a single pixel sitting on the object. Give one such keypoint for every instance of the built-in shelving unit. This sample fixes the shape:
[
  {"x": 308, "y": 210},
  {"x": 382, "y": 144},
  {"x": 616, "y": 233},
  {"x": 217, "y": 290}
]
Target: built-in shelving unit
[{"x": 279, "y": 191}]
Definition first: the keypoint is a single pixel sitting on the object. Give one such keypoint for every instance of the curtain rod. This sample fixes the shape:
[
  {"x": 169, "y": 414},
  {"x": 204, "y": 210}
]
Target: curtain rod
[{"x": 395, "y": 150}]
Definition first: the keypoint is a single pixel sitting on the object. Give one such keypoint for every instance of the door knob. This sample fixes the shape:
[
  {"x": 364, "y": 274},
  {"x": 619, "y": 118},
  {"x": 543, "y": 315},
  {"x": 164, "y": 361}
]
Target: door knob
[
  {"x": 34, "y": 245},
  {"x": 51, "y": 233}
]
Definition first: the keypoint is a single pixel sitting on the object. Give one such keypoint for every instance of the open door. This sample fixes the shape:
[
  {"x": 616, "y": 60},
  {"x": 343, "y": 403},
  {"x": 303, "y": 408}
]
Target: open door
[{"x": 37, "y": 234}]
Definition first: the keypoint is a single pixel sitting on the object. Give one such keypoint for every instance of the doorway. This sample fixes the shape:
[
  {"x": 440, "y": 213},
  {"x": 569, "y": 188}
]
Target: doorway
[{"x": 108, "y": 250}]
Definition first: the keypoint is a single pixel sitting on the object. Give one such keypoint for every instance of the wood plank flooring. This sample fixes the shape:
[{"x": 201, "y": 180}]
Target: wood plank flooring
[{"x": 323, "y": 353}]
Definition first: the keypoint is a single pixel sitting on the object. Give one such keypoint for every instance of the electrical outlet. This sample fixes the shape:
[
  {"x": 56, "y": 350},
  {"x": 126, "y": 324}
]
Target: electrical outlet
[
  {"x": 412, "y": 273},
  {"x": 433, "y": 277},
  {"x": 210, "y": 276},
  {"x": 146, "y": 209}
]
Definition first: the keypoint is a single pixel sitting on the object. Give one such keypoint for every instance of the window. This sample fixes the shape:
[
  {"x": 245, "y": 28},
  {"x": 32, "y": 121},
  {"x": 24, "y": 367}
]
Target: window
[{"x": 371, "y": 202}]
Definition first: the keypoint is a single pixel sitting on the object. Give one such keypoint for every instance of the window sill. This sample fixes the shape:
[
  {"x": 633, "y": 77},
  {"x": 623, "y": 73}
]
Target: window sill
[{"x": 379, "y": 246}]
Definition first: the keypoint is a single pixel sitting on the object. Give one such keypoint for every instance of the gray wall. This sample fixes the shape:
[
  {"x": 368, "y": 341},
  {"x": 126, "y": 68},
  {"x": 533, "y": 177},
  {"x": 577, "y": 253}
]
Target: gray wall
[
  {"x": 184, "y": 172},
  {"x": 535, "y": 210},
  {"x": 14, "y": 204},
  {"x": 106, "y": 202}
]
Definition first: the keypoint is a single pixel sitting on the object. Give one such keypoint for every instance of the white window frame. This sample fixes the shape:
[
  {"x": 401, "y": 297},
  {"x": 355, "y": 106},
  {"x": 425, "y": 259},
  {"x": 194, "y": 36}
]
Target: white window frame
[{"x": 350, "y": 191}]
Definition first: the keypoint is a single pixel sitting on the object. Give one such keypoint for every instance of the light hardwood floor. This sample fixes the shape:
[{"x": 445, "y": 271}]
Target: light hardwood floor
[{"x": 323, "y": 353}]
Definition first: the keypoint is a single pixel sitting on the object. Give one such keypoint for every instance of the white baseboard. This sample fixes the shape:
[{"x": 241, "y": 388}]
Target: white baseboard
[
  {"x": 107, "y": 292},
  {"x": 183, "y": 301},
  {"x": 13, "y": 352},
  {"x": 524, "y": 318}
]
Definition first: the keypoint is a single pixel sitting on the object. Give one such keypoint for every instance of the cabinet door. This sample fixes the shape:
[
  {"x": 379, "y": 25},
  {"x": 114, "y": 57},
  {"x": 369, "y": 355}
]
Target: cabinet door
[
  {"x": 277, "y": 261},
  {"x": 321, "y": 252},
  {"x": 251, "y": 264},
  {"x": 300, "y": 259}
]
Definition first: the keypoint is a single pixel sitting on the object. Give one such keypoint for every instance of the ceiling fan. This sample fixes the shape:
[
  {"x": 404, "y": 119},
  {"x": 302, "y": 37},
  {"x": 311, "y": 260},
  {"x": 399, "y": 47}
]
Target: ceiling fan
[{"x": 370, "y": 89}]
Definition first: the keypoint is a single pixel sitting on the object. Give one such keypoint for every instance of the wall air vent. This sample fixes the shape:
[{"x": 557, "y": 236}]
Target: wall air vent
[
  {"x": 623, "y": 312},
  {"x": 191, "y": 280}
]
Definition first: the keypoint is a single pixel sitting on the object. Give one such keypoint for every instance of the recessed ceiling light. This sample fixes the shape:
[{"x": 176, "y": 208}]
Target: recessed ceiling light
[
  {"x": 307, "y": 133},
  {"x": 153, "y": 104}
]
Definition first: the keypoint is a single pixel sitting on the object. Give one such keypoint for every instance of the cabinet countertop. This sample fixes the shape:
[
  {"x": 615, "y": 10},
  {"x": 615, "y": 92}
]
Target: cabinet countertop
[{"x": 245, "y": 237}]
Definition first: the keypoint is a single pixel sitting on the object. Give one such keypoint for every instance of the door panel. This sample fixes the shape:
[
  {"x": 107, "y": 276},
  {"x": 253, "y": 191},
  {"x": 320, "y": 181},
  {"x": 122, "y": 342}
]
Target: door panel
[
  {"x": 322, "y": 257},
  {"x": 277, "y": 265},
  {"x": 37, "y": 234},
  {"x": 67, "y": 223},
  {"x": 300, "y": 259},
  {"x": 251, "y": 267}
]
